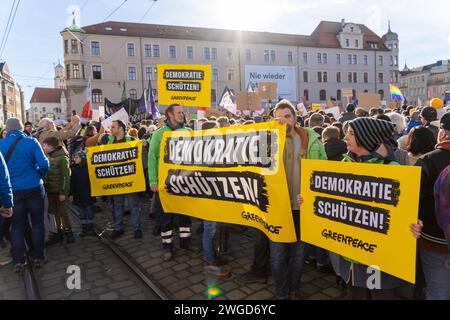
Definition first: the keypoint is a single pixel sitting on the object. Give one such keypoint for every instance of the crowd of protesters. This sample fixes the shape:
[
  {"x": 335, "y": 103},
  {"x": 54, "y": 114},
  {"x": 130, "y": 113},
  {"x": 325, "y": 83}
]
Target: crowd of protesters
[{"x": 43, "y": 170}]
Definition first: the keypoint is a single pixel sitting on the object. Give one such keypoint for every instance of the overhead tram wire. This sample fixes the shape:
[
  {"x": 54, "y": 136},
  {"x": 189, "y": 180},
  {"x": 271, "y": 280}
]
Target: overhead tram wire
[
  {"x": 7, "y": 24},
  {"x": 123, "y": 43},
  {"x": 9, "y": 30},
  {"x": 109, "y": 15}
]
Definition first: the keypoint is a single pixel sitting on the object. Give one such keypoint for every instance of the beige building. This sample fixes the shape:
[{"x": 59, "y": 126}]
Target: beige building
[
  {"x": 11, "y": 102},
  {"x": 47, "y": 103},
  {"x": 311, "y": 68}
]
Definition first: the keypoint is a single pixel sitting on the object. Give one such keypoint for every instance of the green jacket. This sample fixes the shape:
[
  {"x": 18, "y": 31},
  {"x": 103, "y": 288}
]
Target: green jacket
[
  {"x": 153, "y": 152},
  {"x": 316, "y": 150},
  {"x": 58, "y": 178}
]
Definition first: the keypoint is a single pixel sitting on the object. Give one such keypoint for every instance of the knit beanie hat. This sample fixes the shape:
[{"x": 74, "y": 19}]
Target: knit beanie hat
[
  {"x": 14, "y": 124},
  {"x": 81, "y": 154},
  {"x": 371, "y": 133},
  {"x": 350, "y": 107}
]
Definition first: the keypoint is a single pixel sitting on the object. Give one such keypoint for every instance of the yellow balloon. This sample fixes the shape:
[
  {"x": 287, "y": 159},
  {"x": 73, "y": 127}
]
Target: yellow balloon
[{"x": 436, "y": 103}]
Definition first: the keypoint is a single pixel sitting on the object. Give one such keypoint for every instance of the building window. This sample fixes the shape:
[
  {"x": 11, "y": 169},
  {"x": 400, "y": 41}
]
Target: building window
[
  {"x": 380, "y": 60},
  {"x": 395, "y": 46},
  {"x": 365, "y": 60},
  {"x": 381, "y": 92},
  {"x": 380, "y": 77},
  {"x": 306, "y": 95},
  {"x": 230, "y": 54},
  {"x": 347, "y": 43},
  {"x": 155, "y": 73},
  {"x": 44, "y": 109},
  {"x": 266, "y": 56},
  {"x": 355, "y": 77},
  {"x": 133, "y": 94},
  {"x": 349, "y": 59},
  {"x": 272, "y": 55},
  {"x": 319, "y": 58},
  {"x": 68, "y": 71},
  {"x": 338, "y": 95},
  {"x": 290, "y": 59},
  {"x": 190, "y": 52},
  {"x": 356, "y": 43},
  {"x": 148, "y": 73},
  {"x": 351, "y": 29},
  {"x": 96, "y": 72},
  {"x": 148, "y": 50},
  {"x": 391, "y": 61},
  {"x": 73, "y": 46},
  {"x": 172, "y": 52},
  {"x": 81, "y": 47},
  {"x": 130, "y": 48},
  {"x": 319, "y": 76},
  {"x": 338, "y": 77},
  {"x": 305, "y": 57},
  {"x": 350, "y": 77},
  {"x": 305, "y": 76},
  {"x": 325, "y": 58},
  {"x": 207, "y": 53},
  {"x": 214, "y": 53},
  {"x": 396, "y": 61},
  {"x": 156, "y": 50},
  {"x": 325, "y": 77},
  {"x": 215, "y": 74},
  {"x": 355, "y": 59},
  {"x": 131, "y": 73},
  {"x": 248, "y": 54},
  {"x": 97, "y": 96},
  {"x": 366, "y": 77},
  {"x": 82, "y": 71},
  {"x": 323, "y": 95},
  {"x": 76, "y": 71},
  {"x": 230, "y": 75},
  {"x": 95, "y": 48},
  {"x": 338, "y": 59},
  {"x": 66, "y": 46},
  {"x": 213, "y": 95}
]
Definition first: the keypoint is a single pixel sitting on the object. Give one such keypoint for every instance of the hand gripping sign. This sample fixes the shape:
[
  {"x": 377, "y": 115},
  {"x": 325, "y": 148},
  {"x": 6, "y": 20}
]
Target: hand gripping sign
[
  {"x": 232, "y": 175},
  {"x": 116, "y": 168},
  {"x": 362, "y": 212}
]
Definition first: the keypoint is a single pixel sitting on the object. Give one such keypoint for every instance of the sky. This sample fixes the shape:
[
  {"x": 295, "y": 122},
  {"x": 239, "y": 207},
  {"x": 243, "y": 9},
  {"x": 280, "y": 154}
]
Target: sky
[{"x": 34, "y": 44}]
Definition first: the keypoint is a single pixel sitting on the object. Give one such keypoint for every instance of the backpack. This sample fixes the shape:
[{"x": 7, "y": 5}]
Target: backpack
[{"x": 442, "y": 202}]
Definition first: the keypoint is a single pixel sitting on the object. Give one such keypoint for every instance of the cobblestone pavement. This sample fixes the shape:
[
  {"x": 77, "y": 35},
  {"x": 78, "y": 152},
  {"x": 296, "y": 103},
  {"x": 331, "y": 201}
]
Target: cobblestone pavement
[{"x": 105, "y": 277}]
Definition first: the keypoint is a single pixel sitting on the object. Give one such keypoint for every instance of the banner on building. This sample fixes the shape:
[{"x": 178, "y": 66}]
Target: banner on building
[
  {"x": 363, "y": 212},
  {"x": 188, "y": 85},
  {"x": 232, "y": 175},
  {"x": 116, "y": 168}
]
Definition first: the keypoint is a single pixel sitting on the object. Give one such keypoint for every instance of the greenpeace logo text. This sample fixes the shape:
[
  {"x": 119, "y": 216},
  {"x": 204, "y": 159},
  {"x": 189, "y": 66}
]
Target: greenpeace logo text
[{"x": 118, "y": 185}]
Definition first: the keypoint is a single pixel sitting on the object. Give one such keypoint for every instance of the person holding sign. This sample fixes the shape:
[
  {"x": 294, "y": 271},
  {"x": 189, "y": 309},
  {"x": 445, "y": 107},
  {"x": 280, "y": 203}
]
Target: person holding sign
[
  {"x": 364, "y": 139},
  {"x": 119, "y": 135},
  {"x": 287, "y": 259},
  {"x": 175, "y": 121}
]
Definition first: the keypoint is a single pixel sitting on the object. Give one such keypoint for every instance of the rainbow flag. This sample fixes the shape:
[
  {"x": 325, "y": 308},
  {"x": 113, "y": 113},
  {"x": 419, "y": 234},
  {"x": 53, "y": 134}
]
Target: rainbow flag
[{"x": 396, "y": 94}]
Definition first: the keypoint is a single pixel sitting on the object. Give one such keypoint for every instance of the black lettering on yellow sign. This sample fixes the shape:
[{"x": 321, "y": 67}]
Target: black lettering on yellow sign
[
  {"x": 183, "y": 86},
  {"x": 353, "y": 214},
  {"x": 184, "y": 74},
  {"x": 243, "y": 187},
  {"x": 115, "y": 171},
  {"x": 114, "y": 156},
  {"x": 348, "y": 240}
]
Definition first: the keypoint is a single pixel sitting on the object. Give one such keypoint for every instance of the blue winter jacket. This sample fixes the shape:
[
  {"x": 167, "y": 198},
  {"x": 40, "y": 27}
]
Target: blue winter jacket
[
  {"x": 6, "y": 196},
  {"x": 28, "y": 163}
]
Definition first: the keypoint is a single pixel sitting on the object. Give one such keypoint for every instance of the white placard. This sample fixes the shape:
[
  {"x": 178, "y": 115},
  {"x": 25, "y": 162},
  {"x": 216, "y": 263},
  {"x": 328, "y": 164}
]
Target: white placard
[
  {"x": 301, "y": 107},
  {"x": 95, "y": 115},
  {"x": 119, "y": 115},
  {"x": 284, "y": 76},
  {"x": 335, "y": 111},
  {"x": 101, "y": 111}
]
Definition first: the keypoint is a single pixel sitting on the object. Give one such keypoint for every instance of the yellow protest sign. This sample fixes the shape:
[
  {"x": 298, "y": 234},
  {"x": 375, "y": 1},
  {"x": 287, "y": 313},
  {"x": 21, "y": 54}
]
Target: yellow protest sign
[
  {"x": 188, "y": 85},
  {"x": 232, "y": 175},
  {"x": 116, "y": 168},
  {"x": 363, "y": 212},
  {"x": 316, "y": 107}
]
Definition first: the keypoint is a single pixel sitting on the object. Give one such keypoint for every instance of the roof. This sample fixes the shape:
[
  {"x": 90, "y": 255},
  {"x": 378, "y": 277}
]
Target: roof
[
  {"x": 323, "y": 36},
  {"x": 47, "y": 95}
]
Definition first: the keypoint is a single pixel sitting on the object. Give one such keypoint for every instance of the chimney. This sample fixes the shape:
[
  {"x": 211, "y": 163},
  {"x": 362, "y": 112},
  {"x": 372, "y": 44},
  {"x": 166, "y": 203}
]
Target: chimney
[{"x": 342, "y": 23}]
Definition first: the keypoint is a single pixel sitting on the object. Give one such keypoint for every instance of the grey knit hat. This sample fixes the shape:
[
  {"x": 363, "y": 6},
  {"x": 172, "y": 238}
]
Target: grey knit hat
[
  {"x": 14, "y": 124},
  {"x": 371, "y": 133}
]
